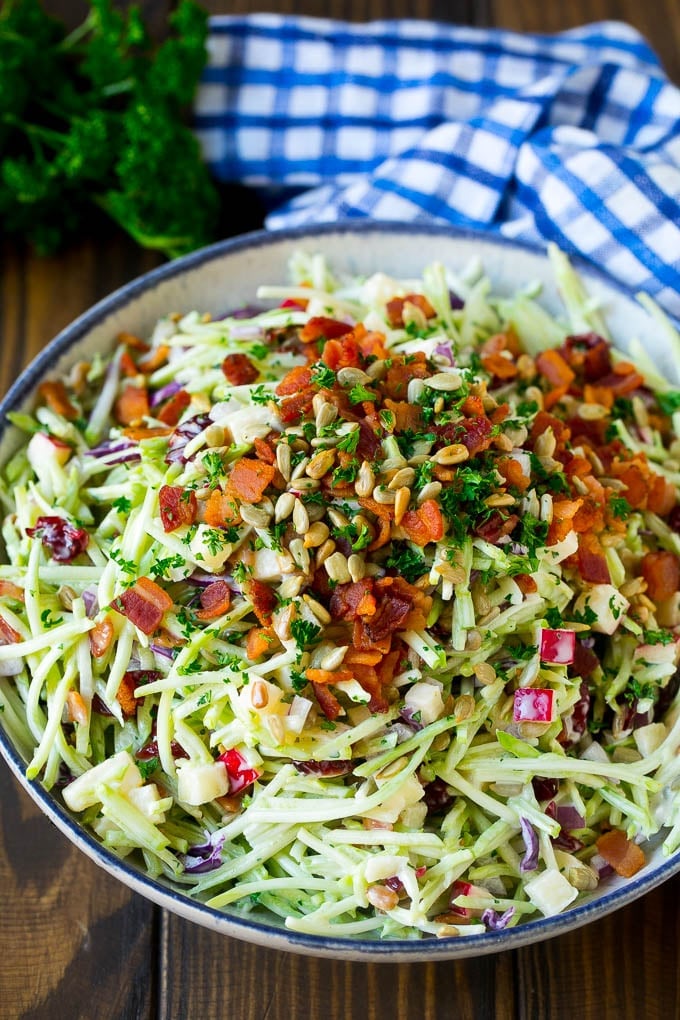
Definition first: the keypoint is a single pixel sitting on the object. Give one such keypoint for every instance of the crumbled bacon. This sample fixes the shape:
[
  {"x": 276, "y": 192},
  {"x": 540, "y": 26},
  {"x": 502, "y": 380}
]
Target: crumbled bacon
[
  {"x": 263, "y": 598},
  {"x": 144, "y": 604},
  {"x": 178, "y": 507},
  {"x": 239, "y": 369}
]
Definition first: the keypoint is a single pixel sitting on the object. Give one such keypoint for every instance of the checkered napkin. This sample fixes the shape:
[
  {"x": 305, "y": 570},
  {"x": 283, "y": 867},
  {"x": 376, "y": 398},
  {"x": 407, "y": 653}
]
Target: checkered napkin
[{"x": 573, "y": 138}]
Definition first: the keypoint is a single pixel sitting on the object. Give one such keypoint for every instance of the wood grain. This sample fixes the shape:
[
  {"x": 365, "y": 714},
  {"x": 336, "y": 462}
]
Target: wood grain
[{"x": 77, "y": 945}]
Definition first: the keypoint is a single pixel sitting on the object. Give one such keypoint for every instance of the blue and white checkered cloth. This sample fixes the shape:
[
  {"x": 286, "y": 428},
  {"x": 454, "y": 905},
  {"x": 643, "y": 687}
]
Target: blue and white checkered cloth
[{"x": 573, "y": 138}]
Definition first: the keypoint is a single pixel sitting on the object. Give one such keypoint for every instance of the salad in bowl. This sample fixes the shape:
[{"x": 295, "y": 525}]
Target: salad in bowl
[{"x": 360, "y": 605}]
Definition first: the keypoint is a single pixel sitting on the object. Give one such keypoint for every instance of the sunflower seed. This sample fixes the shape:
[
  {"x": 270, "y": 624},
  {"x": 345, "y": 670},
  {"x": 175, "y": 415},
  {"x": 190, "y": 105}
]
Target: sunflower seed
[
  {"x": 283, "y": 459},
  {"x": 321, "y": 613},
  {"x": 338, "y": 519},
  {"x": 365, "y": 481},
  {"x": 334, "y": 658},
  {"x": 316, "y": 535},
  {"x": 300, "y": 518},
  {"x": 324, "y": 551},
  {"x": 383, "y": 495},
  {"x": 336, "y": 568},
  {"x": 404, "y": 476},
  {"x": 456, "y": 453},
  {"x": 401, "y": 502},
  {"x": 284, "y": 506},
  {"x": 254, "y": 515},
  {"x": 259, "y": 698},
  {"x": 320, "y": 463},
  {"x": 351, "y": 376},
  {"x": 429, "y": 491},
  {"x": 299, "y": 469},
  {"x": 299, "y": 554},
  {"x": 325, "y": 415},
  {"x": 445, "y": 381}
]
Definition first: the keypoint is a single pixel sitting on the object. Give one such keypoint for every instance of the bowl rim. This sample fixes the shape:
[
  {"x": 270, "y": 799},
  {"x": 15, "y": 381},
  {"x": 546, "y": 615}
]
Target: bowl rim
[{"x": 254, "y": 928}]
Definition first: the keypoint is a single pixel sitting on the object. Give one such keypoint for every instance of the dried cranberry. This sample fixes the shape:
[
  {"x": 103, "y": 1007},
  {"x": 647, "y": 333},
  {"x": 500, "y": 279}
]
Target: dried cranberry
[
  {"x": 674, "y": 518},
  {"x": 437, "y": 796},
  {"x": 63, "y": 540}
]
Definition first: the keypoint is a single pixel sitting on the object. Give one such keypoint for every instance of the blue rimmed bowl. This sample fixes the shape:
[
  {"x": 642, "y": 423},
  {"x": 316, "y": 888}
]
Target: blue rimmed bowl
[{"x": 225, "y": 276}]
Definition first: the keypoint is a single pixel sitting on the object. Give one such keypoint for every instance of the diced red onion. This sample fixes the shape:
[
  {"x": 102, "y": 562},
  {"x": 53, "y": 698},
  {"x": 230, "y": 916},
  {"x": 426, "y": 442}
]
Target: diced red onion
[
  {"x": 408, "y": 715},
  {"x": 163, "y": 651},
  {"x": 91, "y": 602},
  {"x": 445, "y": 350},
  {"x": 183, "y": 433},
  {"x": 530, "y": 860},
  {"x": 601, "y": 866},
  {"x": 323, "y": 768},
  {"x": 455, "y": 301}
]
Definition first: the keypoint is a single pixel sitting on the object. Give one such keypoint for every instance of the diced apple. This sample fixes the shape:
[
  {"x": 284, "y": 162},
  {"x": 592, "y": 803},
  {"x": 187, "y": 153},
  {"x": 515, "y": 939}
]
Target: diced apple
[
  {"x": 608, "y": 605},
  {"x": 550, "y": 892},
  {"x": 119, "y": 772},
  {"x": 201, "y": 784}
]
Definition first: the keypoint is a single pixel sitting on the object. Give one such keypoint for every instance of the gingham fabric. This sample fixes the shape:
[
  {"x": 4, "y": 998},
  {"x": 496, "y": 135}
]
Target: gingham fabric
[{"x": 573, "y": 138}]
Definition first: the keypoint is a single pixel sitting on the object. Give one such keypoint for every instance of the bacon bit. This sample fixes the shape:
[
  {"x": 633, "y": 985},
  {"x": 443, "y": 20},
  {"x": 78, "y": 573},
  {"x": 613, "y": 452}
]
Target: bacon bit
[
  {"x": 496, "y": 526},
  {"x": 264, "y": 451},
  {"x": 101, "y": 637},
  {"x": 349, "y": 601},
  {"x": 590, "y": 516},
  {"x": 144, "y": 604},
  {"x": 365, "y": 642},
  {"x": 132, "y": 405},
  {"x": 263, "y": 598},
  {"x": 406, "y": 416},
  {"x": 127, "y": 365},
  {"x": 135, "y": 342},
  {"x": 624, "y": 856},
  {"x": 354, "y": 657},
  {"x": 622, "y": 382},
  {"x": 76, "y": 708},
  {"x": 157, "y": 358},
  {"x": 141, "y": 433},
  {"x": 472, "y": 406},
  {"x": 8, "y": 635},
  {"x": 11, "y": 590},
  {"x": 342, "y": 353},
  {"x": 239, "y": 369},
  {"x": 172, "y": 409},
  {"x": 662, "y": 496},
  {"x": 299, "y": 378},
  {"x": 320, "y": 327},
  {"x": 371, "y": 343},
  {"x": 125, "y": 695},
  {"x": 589, "y": 352},
  {"x": 552, "y": 366},
  {"x": 592, "y": 563},
  {"x": 390, "y": 617},
  {"x": 249, "y": 478},
  {"x": 368, "y": 679},
  {"x": 328, "y": 676},
  {"x": 598, "y": 395},
  {"x": 564, "y": 511},
  {"x": 395, "y": 308},
  {"x": 178, "y": 507},
  {"x": 259, "y": 641},
  {"x": 215, "y": 600},
  {"x": 513, "y": 474},
  {"x": 294, "y": 408},
  {"x": 661, "y": 571},
  {"x": 383, "y": 512},
  {"x": 328, "y": 703},
  {"x": 474, "y": 434},
  {"x": 57, "y": 399},
  {"x": 544, "y": 421},
  {"x": 634, "y": 479},
  {"x": 499, "y": 367},
  {"x": 426, "y": 524},
  {"x": 525, "y": 583},
  {"x": 166, "y": 639},
  {"x": 399, "y": 375},
  {"x": 221, "y": 510}
]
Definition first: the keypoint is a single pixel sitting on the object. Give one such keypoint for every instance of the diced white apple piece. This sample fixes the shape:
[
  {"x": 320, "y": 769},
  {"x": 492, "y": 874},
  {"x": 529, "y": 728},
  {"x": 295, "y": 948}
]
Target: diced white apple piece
[
  {"x": 149, "y": 801},
  {"x": 424, "y": 701},
  {"x": 119, "y": 772},
  {"x": 608, "y": 605},
  {"x": 550, "y": 892},
  {"x": 211, "y": 555},
  {"x": 200, "y": 784}
]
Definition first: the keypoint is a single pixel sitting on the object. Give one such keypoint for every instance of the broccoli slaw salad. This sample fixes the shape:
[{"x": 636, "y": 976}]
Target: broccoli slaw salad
[{"x": 360, "y": 605}]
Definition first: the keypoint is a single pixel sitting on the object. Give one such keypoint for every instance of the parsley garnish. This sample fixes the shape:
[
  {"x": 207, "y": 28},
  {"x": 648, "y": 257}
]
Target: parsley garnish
[
  {"x": 347, "y": 473},
  {"x": 214, "y": 466},
  {"x": 620, "y": 506},
  {"x": 47, "y": 621},
  {"x": 350, "y": 442},
  {"x": 261, "y": 395},
  {"x": 123, "y": 505},
  {"x": 553, "y": 618},
  {"x": 635, "y": 691},
  {"x": 533, "y": 533},
  {"x": 658, "y": 637},
  {"x": 305, "y": 632},
  {"x": 322, "y": 375},
  {"x": 359, "y": 393},
  {"x": 147, "y": 767},
  {"x": 406, "y": 561},
  {"x": 159, "y": 568}
]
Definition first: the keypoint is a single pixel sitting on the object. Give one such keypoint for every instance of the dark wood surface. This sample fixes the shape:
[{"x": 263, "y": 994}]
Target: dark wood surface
[{"x": 77, "y": 945}]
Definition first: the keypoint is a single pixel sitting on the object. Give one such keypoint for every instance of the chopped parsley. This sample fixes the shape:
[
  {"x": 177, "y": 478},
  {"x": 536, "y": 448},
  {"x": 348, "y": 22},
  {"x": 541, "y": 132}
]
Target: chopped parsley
[
  {"x": 408, "y": 563},
  {"x": 658, "y": 637},
  {"x": 359, "y": 393},
  {"x": 123, "y": 505},
  {"x": 261, "y": 395},
  {"x": 348, "y": 473},
  {"x": 350, "y": 442},
  {"x": 323, "y": 376},
  {"x": 147, "y": 766},
  {"x": 620, "y": 506},
  {"x": 214, "y": 466},
  {"x": 635, "y": 691},
  {"x": 47, "y": 620},
  {"x": 533, "y": 533},
  {"x": 669, "y": 402},
  {"x": 305, "y": 633}
]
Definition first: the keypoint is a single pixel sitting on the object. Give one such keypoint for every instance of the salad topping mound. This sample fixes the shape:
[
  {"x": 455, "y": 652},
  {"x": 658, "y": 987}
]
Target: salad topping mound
[{"x": 362, "y": 607}]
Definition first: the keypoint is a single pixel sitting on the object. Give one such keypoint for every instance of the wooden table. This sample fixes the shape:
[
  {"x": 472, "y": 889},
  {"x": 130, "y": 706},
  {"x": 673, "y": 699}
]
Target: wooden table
[{"x": 77, "y": 945}]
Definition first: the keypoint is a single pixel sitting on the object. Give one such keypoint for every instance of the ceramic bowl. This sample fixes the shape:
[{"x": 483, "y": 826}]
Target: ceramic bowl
[{"x": 225, "y": 276}]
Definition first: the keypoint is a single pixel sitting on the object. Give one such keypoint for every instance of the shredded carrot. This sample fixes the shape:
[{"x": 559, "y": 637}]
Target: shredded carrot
[
  {"x": 127, "y": 365},
  {"x": 11, "y": 590}
]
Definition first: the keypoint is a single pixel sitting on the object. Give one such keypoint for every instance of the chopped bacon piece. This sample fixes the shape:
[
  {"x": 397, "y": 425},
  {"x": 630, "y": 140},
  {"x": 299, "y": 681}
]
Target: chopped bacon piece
[
  {"x": 76, "y": 708},
  {"x": 328, "y": 703},
  {"x": 554, "y": 368},
  {"x": 355, "y": 657},
  {"x": 328, "y": 676},
  {"x": 299, "y": 378},
  {"x": 57, "y": 399},
  {"x": 133, "y": 341},
  {"x": 513, "y": 473},
  {"x": 156, "y": 358},
  {"x": 543, "y": 421},
  {"x": 264, "y": 451},
  {"x": 319, "y": 327},
  {"x": 406, "y": 416},
  {"x": 634, "y": 478},
  {"x": 260, "y": 640},
  {"x": 525, "y": 583},
  {"x": 342, "y": 353},
  {"x": 239, "y": 369},
  {"x": 426, "y": 524},
  {"x": 399, "y": 375},
  {"x": 364, "y": 642},
  {"x": 263, "y": 598},
  {"x": 172, "y": 409},
  {"x": 621, "y": 384},
  {"x": 661, "y": 571},
  {"x": 125, "y": 695},
  {"x": 384, "y": 521},
  {"x": 349, "y": 601},
  {"x": 564, "y": 511},
  {"x": 499, "y": 366},
  {"x": 292, "y": 409},
  {"x": 395, "y": 308},
  {"x": 215, "y": 600},
  {"x": 496, "y": 526},
  {"x": 662, "y": 495},
  {"x": 144, "y": 604},
  {"x": 178, "y": 507},
  {"x": 624, "y": 856},
  {"x": 127, "y": 365},
  {"x": 101, "y": 637},
  {"x": 249, "y": 478},
  {"x": 389, "y": 617},
  {"x": 132, "y": 405},
  {"x": 221, "y": 510}
]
